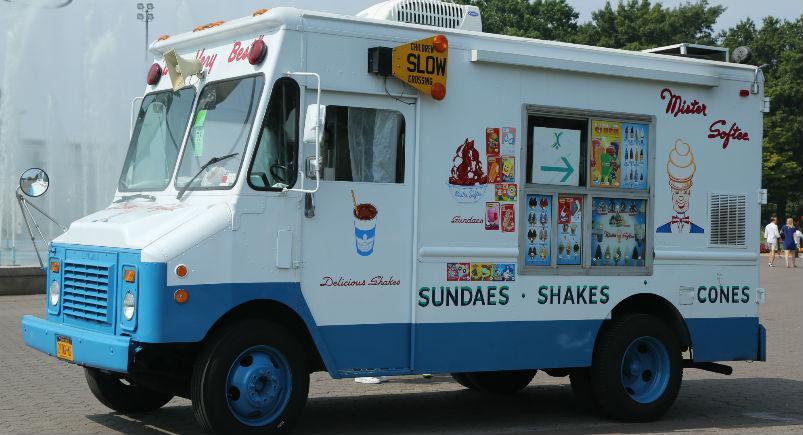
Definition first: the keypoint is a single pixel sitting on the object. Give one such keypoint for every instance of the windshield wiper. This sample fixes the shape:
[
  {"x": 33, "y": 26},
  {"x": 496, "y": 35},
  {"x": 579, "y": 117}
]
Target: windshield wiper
[
  {"x": 211, "y": 162},
  {"x": 138, "y": 195}
]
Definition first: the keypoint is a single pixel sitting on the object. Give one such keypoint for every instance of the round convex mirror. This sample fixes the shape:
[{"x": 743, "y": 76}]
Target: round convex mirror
[{"x": 34, "y": 182}]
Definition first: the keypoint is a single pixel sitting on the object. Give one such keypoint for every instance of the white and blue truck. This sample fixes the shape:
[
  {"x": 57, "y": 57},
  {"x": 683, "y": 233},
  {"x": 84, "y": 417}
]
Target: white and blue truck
[{"x": 307, "y": 192}]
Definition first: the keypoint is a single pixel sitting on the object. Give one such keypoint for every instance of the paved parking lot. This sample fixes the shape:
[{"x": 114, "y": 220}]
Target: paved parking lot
[{"x": 39, "y": 394}]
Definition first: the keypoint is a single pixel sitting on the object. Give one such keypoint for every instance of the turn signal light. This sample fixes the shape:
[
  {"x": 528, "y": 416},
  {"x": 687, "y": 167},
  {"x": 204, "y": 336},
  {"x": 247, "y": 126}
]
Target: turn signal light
[
  {"x": 181, "y": 296},
  {"x": 257, "y": 52},
  {"x": 54, "y": 266},
  {"x": 154, "y": 74},
  {"x": 440, "y": 43},
  {"x": 181, "y": 271},
  {"x": 438, "y": 91},
  {"x": 129, "y": 275}
]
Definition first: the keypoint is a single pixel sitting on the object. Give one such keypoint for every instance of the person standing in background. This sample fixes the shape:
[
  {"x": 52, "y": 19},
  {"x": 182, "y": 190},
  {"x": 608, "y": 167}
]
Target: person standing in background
[
  {"x": 789, "y": 245},
  {"x": 771, "y": 235},
  {"x": 799, "y": 238}
]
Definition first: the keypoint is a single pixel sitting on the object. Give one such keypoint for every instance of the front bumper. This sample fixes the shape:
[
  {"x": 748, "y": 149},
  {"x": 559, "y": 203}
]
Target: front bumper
[{"x": 92, "y": 349}]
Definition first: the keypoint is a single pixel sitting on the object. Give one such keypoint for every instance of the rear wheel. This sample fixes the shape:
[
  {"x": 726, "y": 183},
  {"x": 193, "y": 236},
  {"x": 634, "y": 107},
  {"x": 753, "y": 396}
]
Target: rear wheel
[
  {"x": 501, "y": 382},
  {"x": 250, "y": 378},
  {"x": 637, "y": 369},
  {"x": 122, "y": 396}
]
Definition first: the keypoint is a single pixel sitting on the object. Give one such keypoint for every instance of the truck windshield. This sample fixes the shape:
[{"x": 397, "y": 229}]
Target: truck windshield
[
  {"x": 221, "y": 126},
  {"x": 155, "y": 143}
]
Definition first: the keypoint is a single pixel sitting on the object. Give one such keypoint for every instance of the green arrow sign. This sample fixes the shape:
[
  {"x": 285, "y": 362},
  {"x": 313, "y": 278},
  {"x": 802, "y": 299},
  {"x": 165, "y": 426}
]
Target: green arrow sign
[{"x": 567, "y": 169}]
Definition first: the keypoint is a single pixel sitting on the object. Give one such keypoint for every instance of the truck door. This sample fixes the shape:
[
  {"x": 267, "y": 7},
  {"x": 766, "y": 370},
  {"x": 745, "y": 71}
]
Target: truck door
[{"x": 357, "y": 249}]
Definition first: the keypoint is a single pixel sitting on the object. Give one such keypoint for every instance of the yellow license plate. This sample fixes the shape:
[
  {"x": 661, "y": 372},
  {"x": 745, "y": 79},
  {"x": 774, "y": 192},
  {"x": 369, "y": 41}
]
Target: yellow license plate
[{"x": 64, "y": 348}]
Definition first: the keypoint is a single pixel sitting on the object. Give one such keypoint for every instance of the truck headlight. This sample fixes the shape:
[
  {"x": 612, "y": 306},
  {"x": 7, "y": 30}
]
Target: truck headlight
[
  {"x": 129, "y": 306},
  {"x": 54, "y": 292}
]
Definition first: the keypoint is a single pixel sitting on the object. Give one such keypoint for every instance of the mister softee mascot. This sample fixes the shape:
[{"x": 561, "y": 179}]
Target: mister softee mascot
[{"x": 680, "y": 168}]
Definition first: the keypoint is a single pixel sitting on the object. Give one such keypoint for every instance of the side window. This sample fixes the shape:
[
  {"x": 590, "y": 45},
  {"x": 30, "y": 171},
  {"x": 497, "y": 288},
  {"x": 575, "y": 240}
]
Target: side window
[
  {"x": 274, "y": 166},
  {"x": 363, "y": 145},
  {"x": 582, "y": 169}
]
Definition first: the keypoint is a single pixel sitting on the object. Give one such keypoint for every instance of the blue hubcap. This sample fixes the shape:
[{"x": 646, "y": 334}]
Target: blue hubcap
[
  {"x": 258, "y": 385},
  {"x": 645, "y": 369}
]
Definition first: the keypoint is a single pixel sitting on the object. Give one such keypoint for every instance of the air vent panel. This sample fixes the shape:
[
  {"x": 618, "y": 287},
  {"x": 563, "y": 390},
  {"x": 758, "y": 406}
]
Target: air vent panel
[{"x": 728, "y": 220}]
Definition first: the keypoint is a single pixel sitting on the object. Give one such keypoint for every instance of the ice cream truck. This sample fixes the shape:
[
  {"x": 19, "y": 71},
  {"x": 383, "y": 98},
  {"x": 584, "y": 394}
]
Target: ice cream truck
[{"x": 399, "y": 193}]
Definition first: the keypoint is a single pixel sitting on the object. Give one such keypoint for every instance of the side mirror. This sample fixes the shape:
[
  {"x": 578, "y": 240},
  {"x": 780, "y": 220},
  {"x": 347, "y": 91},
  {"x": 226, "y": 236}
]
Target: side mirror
[
  {"x": 34, "y": 182},
  {"x": 312, "y": 120}
]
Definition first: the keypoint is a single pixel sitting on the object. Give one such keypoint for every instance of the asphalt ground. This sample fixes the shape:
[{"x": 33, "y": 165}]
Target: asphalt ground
[{"x": 41, "y": 395}]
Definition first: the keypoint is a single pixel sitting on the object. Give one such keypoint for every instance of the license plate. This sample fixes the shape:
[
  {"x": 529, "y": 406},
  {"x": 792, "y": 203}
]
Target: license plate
[{"x": 64, "y": 348}]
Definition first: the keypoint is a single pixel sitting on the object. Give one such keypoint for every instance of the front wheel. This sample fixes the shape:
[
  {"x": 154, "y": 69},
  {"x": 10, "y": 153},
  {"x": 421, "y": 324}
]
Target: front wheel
[
  {"x": 637, "y": 369},
  {"x": 250, "y": 378},
  {"x": 122, "y": 396}
]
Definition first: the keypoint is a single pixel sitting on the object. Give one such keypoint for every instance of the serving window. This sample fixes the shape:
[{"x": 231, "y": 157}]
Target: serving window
[{"x": 587, "y": 193}]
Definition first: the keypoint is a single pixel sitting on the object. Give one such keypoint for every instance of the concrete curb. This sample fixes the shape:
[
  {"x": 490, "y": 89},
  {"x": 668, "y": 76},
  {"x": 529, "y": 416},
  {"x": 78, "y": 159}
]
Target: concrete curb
[{"x": 21, "y": 280}]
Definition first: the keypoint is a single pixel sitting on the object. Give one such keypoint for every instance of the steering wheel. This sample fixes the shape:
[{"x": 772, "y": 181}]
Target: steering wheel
[{"x": 273, "y": 171}]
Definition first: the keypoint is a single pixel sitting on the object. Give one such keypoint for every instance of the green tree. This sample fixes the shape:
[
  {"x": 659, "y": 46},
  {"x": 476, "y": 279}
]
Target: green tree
[
  {"x": 779, "y": 45},
  {"x": 540, "y": 19},
  {"x": 636, "y": 25}
]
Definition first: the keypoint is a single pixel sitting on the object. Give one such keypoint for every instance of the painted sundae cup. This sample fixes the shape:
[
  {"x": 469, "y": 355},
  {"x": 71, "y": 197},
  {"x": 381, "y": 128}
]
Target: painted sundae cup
[{"x": 365, "y": 228}]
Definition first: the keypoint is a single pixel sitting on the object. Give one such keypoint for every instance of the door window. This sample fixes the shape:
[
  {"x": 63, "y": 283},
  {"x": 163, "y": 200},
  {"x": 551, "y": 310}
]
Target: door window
[
  {"x": 274, "y": 164},
  {"x": 363, "y": 145}
]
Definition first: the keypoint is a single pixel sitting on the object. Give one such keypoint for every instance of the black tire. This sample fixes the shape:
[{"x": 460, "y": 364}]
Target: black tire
[
  {"x": 501, "y": 382},
  {"x": 122, "y": 396},
  {"x": 210, "y": 397},
  {"x": 611, "y": 393},
  {"x": 462, "y": 379},
  {"x": 580, "y": 379}
]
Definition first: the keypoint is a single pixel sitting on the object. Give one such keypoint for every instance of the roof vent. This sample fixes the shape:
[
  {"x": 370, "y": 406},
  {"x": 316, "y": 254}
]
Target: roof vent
[
  {"x": 428, "y": 13},
  {"x": 692, "y": 50}
]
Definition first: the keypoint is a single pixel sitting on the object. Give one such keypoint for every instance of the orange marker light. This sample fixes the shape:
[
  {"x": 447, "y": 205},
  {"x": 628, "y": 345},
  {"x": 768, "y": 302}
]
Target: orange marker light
[
  {"x": 259, "y": 12},
  {"x": 163, "y": 37},
  {"x": 438, "y": 91},
  {"x": 181, "y": 271},
  {"x": 181, "y": 296},
  {"x": 129, "y": 275},
  {"x": 54, "y": 266},
  {"x": 440, "y": 43}
]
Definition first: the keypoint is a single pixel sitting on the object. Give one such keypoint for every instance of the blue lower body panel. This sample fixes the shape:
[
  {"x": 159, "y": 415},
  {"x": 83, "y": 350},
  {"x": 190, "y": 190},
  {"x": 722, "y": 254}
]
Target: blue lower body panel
[
  {"x": 724, "y": 339},
  {"x": 91, "y": 349}
]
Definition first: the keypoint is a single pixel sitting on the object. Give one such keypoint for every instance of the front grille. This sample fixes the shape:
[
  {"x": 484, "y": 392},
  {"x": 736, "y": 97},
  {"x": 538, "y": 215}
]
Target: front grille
[{"x": 86, "y": 292}]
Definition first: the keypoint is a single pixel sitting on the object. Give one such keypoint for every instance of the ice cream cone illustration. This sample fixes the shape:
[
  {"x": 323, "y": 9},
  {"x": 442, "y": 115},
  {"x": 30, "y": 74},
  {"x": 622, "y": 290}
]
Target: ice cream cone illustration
[{"x": 680, "y": 169}]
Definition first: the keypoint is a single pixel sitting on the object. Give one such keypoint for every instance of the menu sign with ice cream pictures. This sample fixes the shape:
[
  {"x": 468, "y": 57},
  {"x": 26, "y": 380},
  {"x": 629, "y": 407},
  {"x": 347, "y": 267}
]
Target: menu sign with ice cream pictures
[
  {"x": 606, "y": 144},
  {"x": 539, "y": 230},
  {"x": 618, "y": 232}
]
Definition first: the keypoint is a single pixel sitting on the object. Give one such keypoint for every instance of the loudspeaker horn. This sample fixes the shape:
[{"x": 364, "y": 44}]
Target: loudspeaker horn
[{"x": 180, "y": 68}]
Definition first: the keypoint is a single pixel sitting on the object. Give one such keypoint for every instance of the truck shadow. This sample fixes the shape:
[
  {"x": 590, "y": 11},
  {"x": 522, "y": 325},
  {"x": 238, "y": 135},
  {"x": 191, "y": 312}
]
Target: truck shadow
[{"x": 721, "y": 404}]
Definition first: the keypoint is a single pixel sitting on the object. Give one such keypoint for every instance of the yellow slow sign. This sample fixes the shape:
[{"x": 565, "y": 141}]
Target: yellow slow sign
[{"x": 422, "y": 65}]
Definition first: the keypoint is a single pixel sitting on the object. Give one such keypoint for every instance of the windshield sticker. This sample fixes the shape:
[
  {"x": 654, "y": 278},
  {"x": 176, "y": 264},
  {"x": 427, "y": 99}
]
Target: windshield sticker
[{"x": 198, "y": 134}]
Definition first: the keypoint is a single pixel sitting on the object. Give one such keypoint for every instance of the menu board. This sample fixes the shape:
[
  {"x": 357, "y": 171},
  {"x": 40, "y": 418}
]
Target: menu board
[
  {"x": 635, "y": 140},
  {"x": 606, "y": 146},
  {"x": 618, "y": 232},
  {"x": 570, "y": 229},
  {"x": 539, "y": 230}
]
